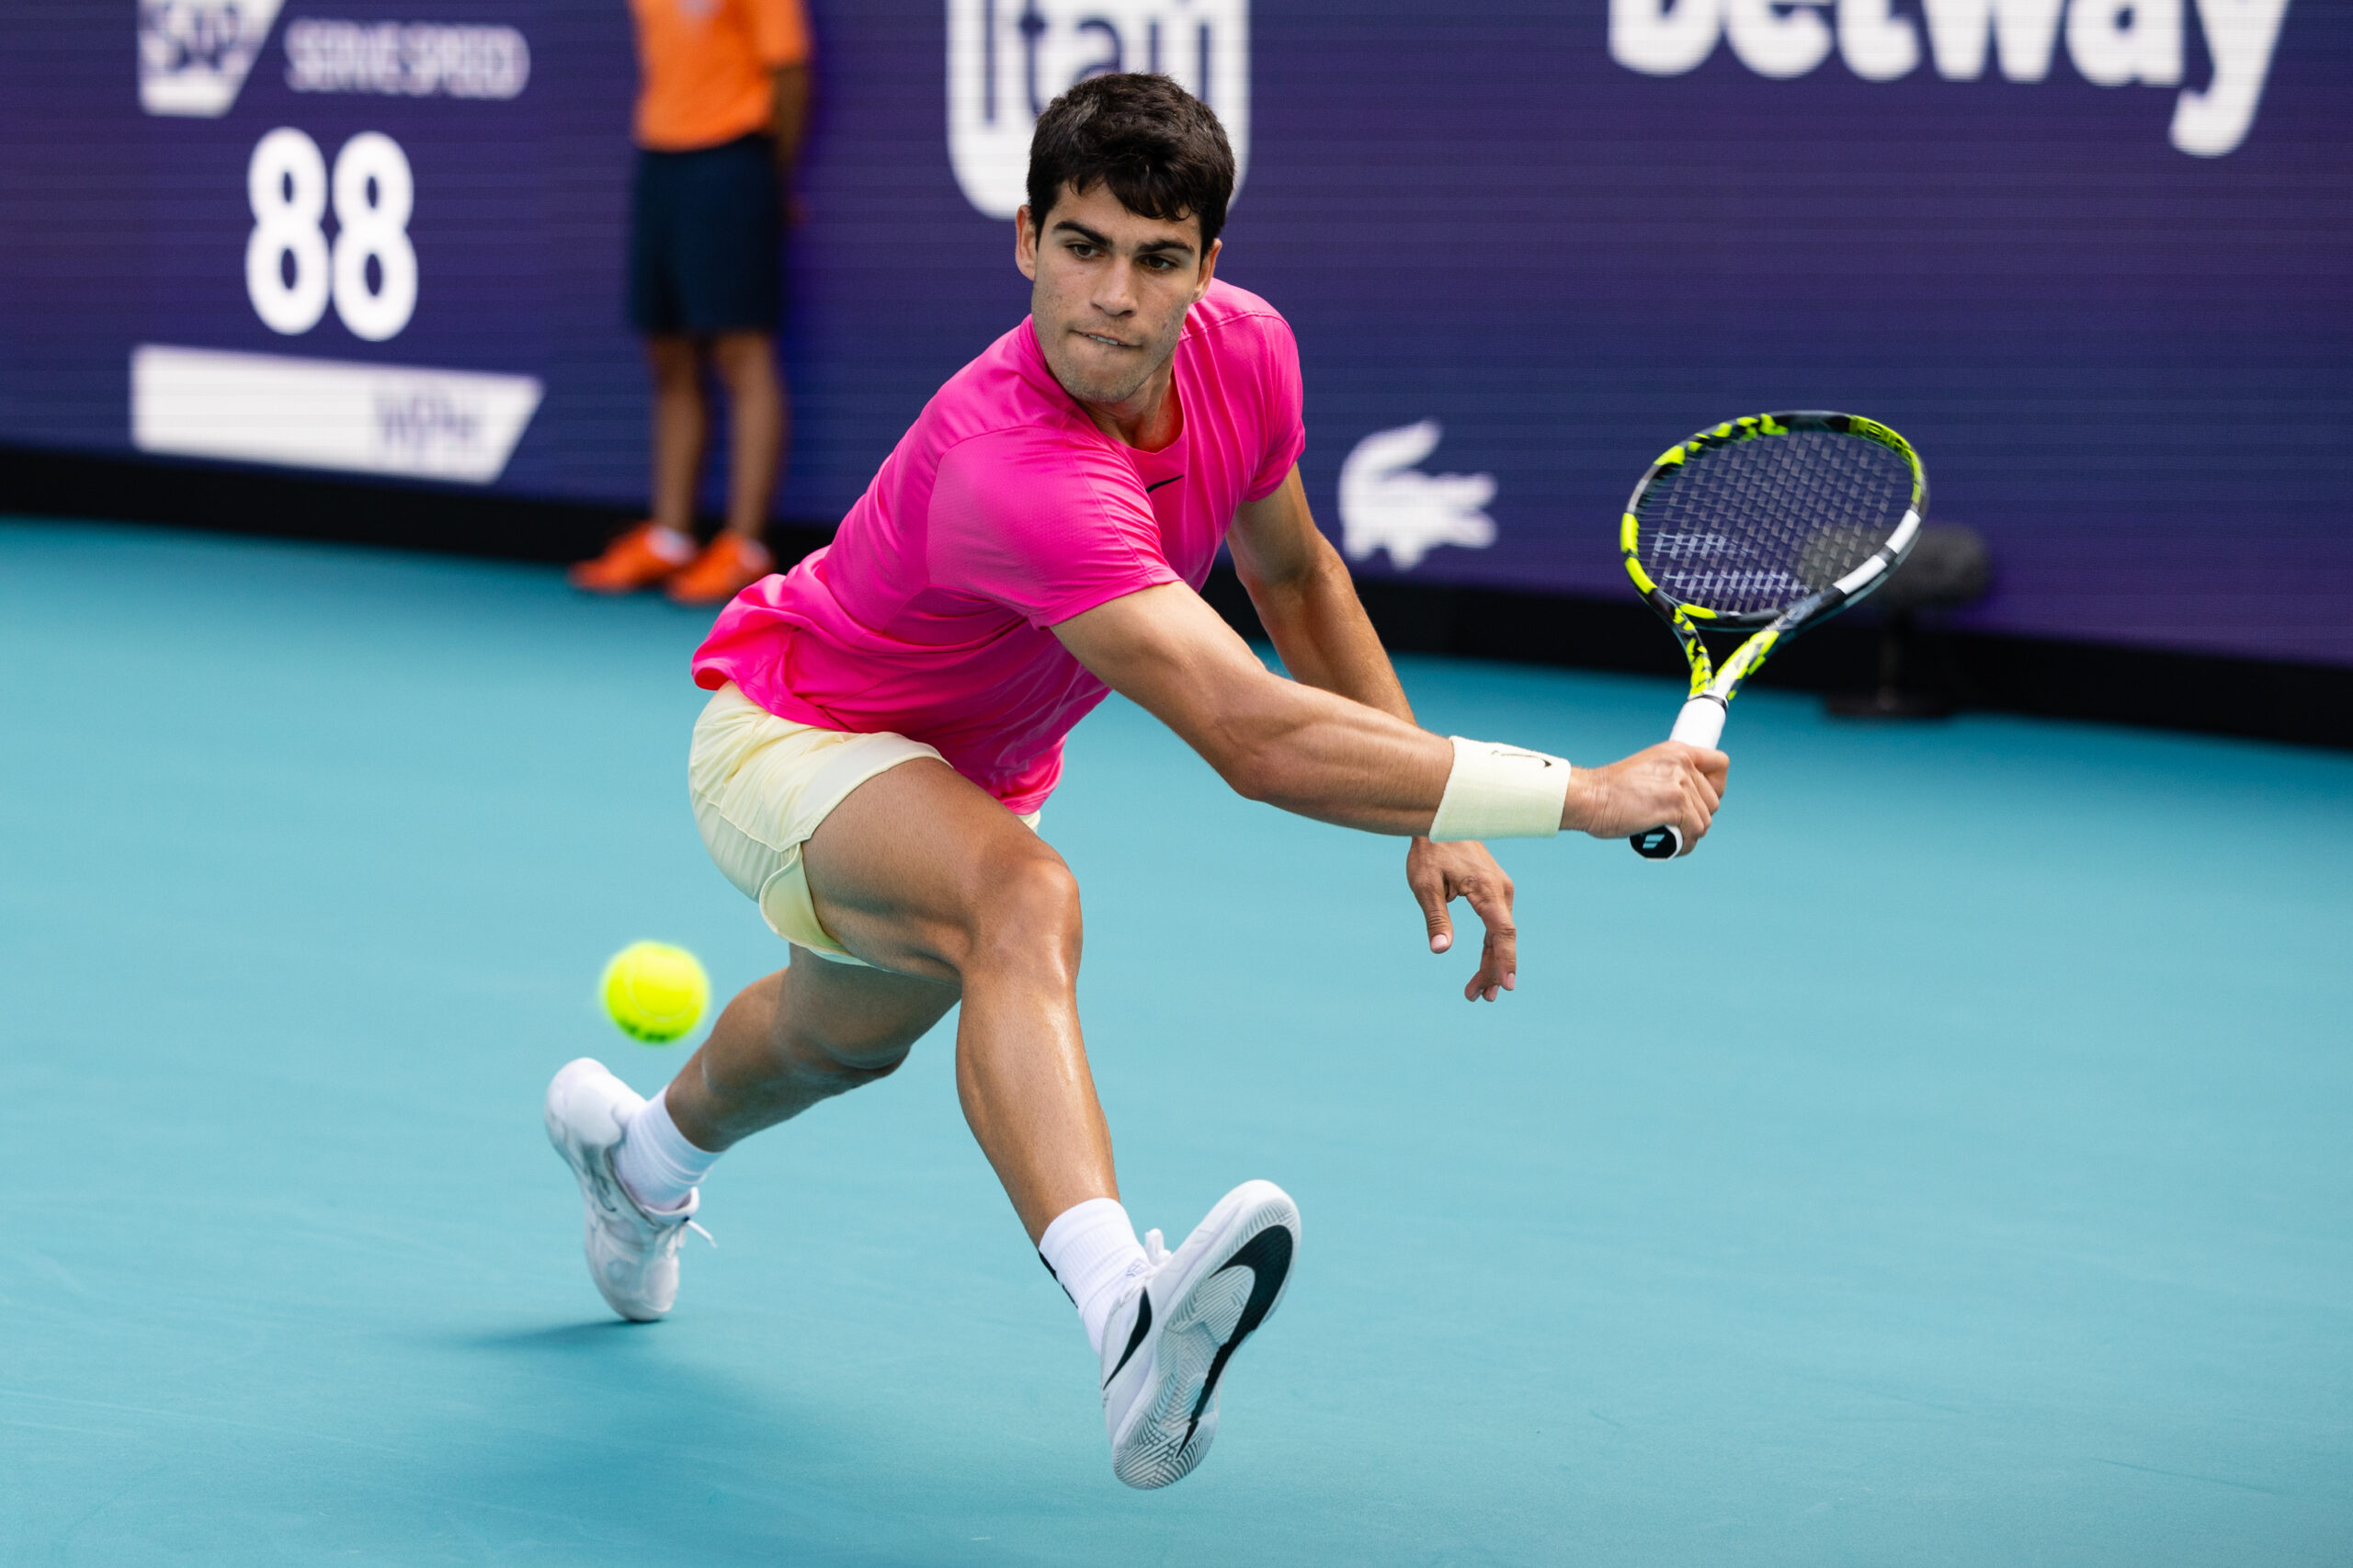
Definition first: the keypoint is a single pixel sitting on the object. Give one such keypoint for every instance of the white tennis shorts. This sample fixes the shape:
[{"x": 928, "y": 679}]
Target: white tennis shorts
[{"x": 761, "y": 785}]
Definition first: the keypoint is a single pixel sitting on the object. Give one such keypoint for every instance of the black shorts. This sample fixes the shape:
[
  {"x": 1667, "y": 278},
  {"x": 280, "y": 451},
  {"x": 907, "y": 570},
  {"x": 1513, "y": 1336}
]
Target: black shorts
[{"x": 706, "y": 240}]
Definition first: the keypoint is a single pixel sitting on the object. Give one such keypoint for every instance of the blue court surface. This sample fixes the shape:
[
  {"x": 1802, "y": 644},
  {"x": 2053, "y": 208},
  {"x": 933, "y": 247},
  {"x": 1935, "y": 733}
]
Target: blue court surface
[{"x": 1948, "y": 1165}]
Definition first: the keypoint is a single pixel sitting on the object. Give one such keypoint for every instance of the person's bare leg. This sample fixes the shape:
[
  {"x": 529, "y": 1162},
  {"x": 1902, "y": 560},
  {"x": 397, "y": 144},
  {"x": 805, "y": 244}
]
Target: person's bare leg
[
  {"x": 1021, "y": 1071},
  {"x": 802, "y": 1035},
  {"x": 758, "y": 420},
  {"x": 681, "y": 426},
  {"x": 920, "y": 872}
]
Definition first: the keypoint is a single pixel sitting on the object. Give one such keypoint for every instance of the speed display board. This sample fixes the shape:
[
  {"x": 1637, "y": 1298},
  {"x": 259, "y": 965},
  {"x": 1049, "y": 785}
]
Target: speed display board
[{"x": 2093, "y": 257}]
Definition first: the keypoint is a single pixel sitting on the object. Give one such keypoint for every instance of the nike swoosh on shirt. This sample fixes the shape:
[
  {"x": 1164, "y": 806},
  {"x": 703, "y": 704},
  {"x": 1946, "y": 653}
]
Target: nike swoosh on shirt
[{"x": 1158, "y": 482}]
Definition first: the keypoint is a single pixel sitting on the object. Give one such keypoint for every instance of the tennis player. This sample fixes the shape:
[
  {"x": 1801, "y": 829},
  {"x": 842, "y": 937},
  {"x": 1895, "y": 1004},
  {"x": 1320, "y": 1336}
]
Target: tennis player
[{"x": 888, "y": 717}]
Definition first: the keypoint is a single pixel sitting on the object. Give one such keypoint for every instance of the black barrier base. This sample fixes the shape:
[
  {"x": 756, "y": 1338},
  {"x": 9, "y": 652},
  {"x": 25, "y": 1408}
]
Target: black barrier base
[{"x": 2308, "y": 704}]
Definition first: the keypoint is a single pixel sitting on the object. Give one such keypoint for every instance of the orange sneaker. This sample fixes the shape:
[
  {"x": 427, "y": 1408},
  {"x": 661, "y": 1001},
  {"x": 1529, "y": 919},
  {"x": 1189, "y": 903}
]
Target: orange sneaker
[
  {"x": 647, "y": 554},
  {"x": 730, "y": 564}
]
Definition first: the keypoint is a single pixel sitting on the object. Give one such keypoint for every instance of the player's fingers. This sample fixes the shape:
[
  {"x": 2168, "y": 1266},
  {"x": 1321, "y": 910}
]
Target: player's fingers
[
  {"x": 1499, "y": 954},
  {"x": 1499, "y": 967},
  {"x": 1492, "y": 981},
  {"x": 1704, "y": 768},
  {"x": 1699, "y": 814},
  {"x": 1430, "y": 894},
  {"x": 1712, "y": 765},
  {"x": 1495, "y": 976}
]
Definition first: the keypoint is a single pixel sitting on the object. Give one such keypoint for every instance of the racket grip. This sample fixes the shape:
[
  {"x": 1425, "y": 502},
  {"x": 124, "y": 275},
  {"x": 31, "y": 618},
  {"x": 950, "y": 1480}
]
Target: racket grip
[{"x": 1702, "y": 723}]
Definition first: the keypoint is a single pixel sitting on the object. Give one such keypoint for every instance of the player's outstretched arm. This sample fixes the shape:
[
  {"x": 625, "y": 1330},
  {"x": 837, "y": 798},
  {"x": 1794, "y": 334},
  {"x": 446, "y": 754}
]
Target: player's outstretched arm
[
  {"x": 1322, "y": 756},
  {"x": 1272, "y": 739}
]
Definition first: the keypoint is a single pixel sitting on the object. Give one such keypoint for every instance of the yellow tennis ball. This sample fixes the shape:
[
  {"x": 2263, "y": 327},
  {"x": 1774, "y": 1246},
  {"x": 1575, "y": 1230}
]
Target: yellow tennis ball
[{"x": 655, "y": 992}]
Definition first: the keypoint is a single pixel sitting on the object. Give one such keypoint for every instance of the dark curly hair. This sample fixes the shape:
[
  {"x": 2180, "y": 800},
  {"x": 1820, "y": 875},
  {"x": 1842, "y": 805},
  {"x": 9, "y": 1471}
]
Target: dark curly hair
[{"x": 1159, "y": 147}]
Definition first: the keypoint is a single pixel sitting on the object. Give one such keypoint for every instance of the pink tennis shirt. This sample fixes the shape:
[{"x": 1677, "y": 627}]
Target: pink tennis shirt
[{"x": 1001, "y": 511}]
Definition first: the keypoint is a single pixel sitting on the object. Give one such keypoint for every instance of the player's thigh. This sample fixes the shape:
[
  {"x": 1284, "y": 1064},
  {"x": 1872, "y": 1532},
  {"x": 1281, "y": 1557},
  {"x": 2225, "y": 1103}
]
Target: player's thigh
[{"x": 919, "y": 867}]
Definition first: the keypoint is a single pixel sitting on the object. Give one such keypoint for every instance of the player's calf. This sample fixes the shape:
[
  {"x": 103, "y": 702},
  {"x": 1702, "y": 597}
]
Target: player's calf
[{"x": 802, "y": 1035}]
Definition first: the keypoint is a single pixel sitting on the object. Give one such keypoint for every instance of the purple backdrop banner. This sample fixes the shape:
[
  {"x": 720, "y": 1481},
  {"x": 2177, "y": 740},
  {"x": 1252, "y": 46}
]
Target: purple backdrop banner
[{"x": 2094, "y": 256}]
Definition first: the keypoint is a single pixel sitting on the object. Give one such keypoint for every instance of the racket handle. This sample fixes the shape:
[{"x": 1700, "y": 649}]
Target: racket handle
[{"x": 1702, "y": 723}]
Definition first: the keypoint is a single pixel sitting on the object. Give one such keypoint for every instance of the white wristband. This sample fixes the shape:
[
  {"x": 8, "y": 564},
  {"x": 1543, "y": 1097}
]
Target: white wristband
[{"x": 1499, "y": 792}]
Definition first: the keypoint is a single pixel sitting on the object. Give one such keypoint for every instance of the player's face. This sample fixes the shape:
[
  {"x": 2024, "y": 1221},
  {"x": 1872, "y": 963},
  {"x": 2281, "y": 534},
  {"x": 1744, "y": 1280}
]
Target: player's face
[{"x": 1109, "y": 291}]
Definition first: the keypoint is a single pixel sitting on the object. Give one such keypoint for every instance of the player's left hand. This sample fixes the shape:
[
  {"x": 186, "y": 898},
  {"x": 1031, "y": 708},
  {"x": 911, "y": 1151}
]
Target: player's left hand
[{"x": 1439, "y": 873}]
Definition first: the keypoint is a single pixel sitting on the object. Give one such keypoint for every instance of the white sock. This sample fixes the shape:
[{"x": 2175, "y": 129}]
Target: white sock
[
  {"x": 655, "y": 1160},
  {"x": 1092, "y": 1252}
]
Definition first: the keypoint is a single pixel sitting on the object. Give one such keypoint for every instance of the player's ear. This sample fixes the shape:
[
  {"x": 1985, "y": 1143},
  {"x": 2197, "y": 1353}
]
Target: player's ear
[
  {"x": 1209, "y": 270},
  {"x": 1025, "y": 243}
]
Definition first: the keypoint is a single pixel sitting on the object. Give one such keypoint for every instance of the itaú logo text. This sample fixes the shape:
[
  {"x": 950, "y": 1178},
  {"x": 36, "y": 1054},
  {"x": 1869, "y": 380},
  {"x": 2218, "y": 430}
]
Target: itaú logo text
[
  {"x": 1008, "y": 59},
  {"x": 2111, "y": 43}
]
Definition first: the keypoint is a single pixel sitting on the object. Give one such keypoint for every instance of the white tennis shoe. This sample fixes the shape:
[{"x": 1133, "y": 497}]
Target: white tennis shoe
[
  {"x": 633, "y": 1255},
  {"x": 1168, "y": 1343}
]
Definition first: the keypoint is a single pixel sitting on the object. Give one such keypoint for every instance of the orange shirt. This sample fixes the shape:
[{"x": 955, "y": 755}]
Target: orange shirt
[{"x": 703, "y": 67}]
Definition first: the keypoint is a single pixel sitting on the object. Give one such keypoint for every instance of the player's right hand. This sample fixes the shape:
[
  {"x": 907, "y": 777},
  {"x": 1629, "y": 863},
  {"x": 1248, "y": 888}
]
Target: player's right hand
[{"x": 1668, "y": 785}]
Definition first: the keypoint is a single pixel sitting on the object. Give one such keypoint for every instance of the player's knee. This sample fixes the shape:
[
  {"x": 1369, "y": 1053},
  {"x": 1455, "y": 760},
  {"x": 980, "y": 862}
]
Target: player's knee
[{"x": 1028, "y": 913}]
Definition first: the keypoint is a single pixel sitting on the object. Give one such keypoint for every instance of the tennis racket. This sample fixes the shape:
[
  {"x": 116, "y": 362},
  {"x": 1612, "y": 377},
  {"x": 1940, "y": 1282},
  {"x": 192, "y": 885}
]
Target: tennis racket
[{"x": 1768, "y": 525}]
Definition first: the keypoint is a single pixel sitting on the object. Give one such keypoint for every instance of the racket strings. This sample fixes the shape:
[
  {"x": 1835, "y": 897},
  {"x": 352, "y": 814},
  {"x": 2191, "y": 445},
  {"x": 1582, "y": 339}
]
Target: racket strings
[{"x": 1752, "y": 526}]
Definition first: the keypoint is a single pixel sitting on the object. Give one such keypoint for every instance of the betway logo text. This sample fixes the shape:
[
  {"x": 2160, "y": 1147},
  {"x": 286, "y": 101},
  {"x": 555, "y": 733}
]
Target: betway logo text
[{"x": 2111, "y": 43}]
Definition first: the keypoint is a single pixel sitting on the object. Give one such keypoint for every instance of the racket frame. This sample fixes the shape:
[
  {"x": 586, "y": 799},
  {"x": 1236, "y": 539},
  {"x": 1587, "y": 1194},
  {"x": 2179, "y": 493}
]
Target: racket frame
[
  {"x": 1713, "y": 685},
  {"x": 1771, "y": 628}
]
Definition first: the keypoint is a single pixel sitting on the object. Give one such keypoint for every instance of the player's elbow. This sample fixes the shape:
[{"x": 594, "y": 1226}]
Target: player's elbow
[
  {"x": 1246, "y": 754},
  {"x": 1238, "y": 721},
  {"x": 1251, "y": 774},
  {"x": 1265, "y": 766},
  {"x": 1297, "y": 589}
]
